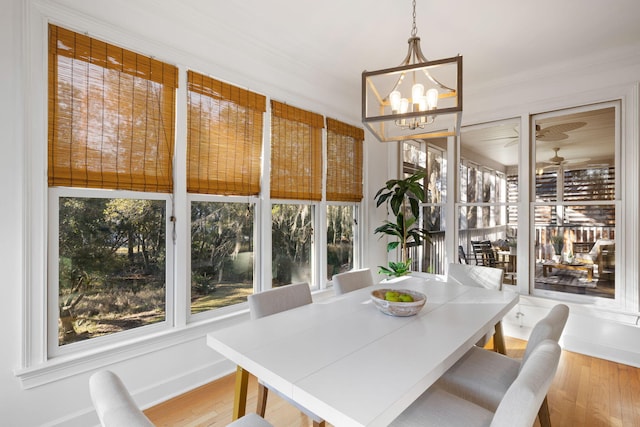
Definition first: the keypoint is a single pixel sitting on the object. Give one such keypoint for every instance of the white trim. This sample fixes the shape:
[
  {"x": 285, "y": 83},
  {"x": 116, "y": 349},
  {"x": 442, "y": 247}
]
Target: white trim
[
  {"x": 89, "y": 360},
  {"x": 588, "y": 330}
]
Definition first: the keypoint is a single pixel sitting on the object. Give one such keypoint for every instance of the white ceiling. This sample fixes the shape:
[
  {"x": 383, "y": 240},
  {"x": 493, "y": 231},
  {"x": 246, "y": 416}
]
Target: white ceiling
[
  {"x": 335, "y": 40},
  {"x": 588, "y": 140}
]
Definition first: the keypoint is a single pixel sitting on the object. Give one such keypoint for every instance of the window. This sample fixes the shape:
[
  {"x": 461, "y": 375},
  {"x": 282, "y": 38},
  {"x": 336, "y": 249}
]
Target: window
[
  {"x": 341, "y": 233},
  {"x": 344, "y": 191},
  {"x": 224, "y": 148},
  {"x": 430, "y": 158},
  {"x": 488, "y": 182},
  {"x": 296, "y": 175},
  {"x": 222, "y": 254},
  {"x": 575, "y": 203},
  {"x": 110, "y": 150},
  {"x": 111, "y": 264}
]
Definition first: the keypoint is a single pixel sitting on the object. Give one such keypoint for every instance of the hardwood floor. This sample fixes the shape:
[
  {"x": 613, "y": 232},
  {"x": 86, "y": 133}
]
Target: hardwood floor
[{"x": 586, "y": 392}]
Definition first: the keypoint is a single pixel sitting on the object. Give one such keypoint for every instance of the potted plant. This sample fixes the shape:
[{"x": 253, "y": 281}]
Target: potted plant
[
  {"x": 402, "y": 198},
  {"x": 558, "y": 243}
]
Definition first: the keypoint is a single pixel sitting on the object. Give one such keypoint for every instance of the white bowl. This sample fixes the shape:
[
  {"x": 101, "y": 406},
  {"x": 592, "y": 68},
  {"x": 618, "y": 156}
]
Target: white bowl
[{"x": 401, "y": 309}]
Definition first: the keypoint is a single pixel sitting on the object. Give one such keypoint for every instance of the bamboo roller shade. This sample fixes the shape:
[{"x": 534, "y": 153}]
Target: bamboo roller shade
[
  {"x": 224, "y": 137},
  {"x": 344, "y": 161},
  {"x": 296, "y": 153},
  {"x": 111, "y": 116}
]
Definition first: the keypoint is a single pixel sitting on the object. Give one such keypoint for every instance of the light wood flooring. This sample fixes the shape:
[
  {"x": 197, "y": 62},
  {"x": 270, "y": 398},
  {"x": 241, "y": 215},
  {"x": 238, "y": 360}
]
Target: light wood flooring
[{"x": 586, "y": 392}]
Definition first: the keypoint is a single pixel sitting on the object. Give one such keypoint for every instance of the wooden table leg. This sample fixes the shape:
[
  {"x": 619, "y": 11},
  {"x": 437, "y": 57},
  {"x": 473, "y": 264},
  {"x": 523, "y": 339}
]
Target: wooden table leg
[
  {"x": 498, "y": 339},
  {"x": 240, "y": 397}
]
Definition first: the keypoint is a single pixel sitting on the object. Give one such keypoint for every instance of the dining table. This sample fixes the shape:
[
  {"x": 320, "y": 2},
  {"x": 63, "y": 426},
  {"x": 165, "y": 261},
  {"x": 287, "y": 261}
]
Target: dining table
[{"x": 346, "y": 361}]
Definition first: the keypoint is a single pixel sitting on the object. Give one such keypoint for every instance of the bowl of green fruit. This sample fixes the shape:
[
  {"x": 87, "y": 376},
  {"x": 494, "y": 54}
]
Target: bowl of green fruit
[{"x": 398, "y": 302}]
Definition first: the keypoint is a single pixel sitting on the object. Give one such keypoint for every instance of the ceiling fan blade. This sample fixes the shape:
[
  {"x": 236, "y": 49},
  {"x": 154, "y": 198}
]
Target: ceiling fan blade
[
  {"x": 575, "y": 161},
  {"x": 552, "y": 137},
  {"x": 563, "y": 127}
]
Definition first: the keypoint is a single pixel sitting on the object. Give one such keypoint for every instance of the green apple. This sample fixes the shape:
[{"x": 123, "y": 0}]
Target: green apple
[
  {"x": 406, "y": 298},
  {"x": 391, "y": 295}
]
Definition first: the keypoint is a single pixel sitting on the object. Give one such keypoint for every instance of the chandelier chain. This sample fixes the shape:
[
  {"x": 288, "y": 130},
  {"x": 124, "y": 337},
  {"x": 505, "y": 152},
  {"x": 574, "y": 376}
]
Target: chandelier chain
[{"x": 414, "y": 29}]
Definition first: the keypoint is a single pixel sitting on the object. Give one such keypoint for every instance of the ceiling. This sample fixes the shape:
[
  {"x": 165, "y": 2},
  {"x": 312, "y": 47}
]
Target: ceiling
[
  {"x": 330, "y": 42},
  {"x": 333, "y": 41},
  {"x": 584, "y": 138}
]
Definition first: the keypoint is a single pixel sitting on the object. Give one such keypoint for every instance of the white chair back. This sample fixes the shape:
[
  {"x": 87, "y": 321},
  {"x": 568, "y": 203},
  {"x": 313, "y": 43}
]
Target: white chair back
[
  {"x": 279, "y": 299},
  {"x": 519, "y": 406},
  {"x": 116, "y": 408},
  {"x": 548, "y": 328},
  {"x": 352, "y": 280},
  {"x": 476, "y": 275},
  {"x": 113, "y": 402}
]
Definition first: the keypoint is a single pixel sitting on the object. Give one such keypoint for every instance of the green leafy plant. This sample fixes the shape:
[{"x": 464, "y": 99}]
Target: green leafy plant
[
  {"x": 402, "y": 198},
  {"x": 558, "y": 243}
]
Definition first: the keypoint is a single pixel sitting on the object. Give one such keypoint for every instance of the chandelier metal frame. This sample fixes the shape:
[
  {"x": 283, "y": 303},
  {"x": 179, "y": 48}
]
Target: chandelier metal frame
[{"x": 395, "y": 112}]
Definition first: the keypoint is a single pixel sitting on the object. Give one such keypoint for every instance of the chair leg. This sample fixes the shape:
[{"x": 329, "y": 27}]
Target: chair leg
[
  {"x": 543, "y": 414},
  {"x": 263, "y": 392}
]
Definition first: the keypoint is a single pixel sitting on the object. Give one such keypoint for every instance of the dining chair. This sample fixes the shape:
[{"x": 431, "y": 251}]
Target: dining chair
[
  {"x": 597, "y": 254},
  {"x": 462, "y": 257},
  {"x": 352, "y": 280},
  {"x": 116, "y": 408},
  {"x": 271, "y": 302},
  {"x": 484, "y": 277},
  {"x": 484, "y": 254},
  {"x": 483, "y": 377},
  {"x": 517, "y": 407}
]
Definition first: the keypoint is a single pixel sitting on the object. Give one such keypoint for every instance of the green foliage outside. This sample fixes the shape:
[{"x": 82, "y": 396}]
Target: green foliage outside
[
  {"x": 111, "y": 265},
  {"x": 222, "y": 260},
  {"x": 112, "y": 258}
]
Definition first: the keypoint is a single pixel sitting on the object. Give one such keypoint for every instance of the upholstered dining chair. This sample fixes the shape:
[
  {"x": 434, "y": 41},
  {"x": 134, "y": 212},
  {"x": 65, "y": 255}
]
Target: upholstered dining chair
[
  {"x": 476, "y": 275},
  {"x": 484, "y": 377},
  {"x": 271, "y": 302},
  {"x": 517, "y": 407},
  {"x": 116, "y": 408},
  {"x": 352, "y": 280},
  {"x": 484, "y": 277}
]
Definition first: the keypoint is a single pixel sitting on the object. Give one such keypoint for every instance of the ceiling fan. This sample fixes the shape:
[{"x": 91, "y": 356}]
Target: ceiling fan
[
  {"x": 550, "y": 133},
  {"x": 558, "y": 160}
]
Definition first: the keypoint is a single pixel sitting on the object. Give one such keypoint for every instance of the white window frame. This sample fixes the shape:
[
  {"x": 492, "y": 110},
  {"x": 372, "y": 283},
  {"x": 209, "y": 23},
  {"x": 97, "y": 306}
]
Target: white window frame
[
  {"x": 257, "y": 260},
  {"x": 53, "y": 348},
  {"x": 620, "y": 283},
  {"x": 357, "y": 246}
]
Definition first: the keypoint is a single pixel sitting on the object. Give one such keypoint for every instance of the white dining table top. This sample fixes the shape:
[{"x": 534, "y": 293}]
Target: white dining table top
[{"x": 351, "y": 364}]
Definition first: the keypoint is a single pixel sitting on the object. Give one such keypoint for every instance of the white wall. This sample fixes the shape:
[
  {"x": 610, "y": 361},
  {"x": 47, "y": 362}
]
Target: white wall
[
  {"x": 11, "y": 211},
  {"x": 175, "y": 365}
]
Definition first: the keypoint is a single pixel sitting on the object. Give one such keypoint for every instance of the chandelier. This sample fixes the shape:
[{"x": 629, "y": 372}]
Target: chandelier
[{"x": 418, "y": 99}]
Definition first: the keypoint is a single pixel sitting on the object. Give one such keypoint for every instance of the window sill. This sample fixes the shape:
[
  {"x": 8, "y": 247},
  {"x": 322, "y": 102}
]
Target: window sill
[{"x": 65, "y": 366}]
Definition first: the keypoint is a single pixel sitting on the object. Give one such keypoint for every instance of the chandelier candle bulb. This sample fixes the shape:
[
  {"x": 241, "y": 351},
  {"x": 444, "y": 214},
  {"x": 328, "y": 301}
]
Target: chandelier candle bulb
[
  {"x": 394, "y": 100},
  {"x": 416, "y": 93},
  {"x": 432, "y": 98}
]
